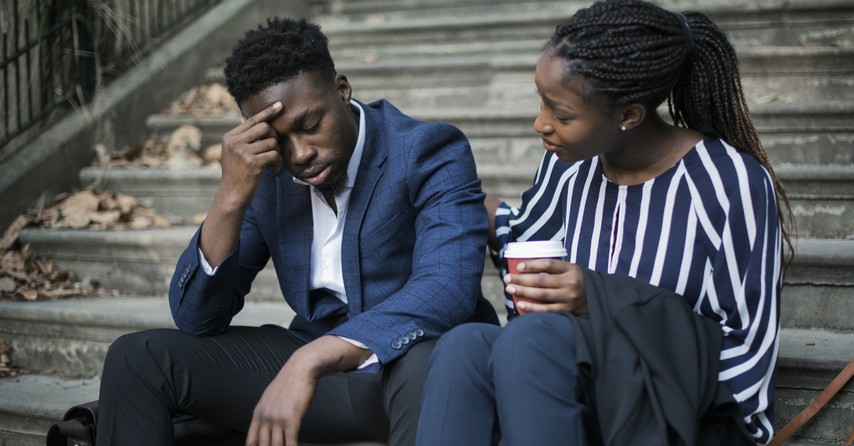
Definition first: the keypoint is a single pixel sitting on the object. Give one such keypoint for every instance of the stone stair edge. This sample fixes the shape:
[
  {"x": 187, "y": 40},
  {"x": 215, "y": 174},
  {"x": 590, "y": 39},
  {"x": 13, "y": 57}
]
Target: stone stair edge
[
  {"x": 510, "y": 13},
  {"x": 815, "y": 348},
  {"x": 786, "y": 171},
  {"x": 465, "y": 61},
  {"x": 45, "y": 396},
  {"x": 668, "y": 4},
  {"x": 832, "y": 252},
  {"x": 832, "y": 108},
  {"x": 134, "y": 312},
  {"x": 798, "y": 346},
  {"x": 751, "y": 54},
  {"x": 48, "y": 397}
]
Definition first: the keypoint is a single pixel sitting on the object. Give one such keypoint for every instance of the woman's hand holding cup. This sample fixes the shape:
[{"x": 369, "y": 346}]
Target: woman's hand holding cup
[{"x": 539, "y": 279}]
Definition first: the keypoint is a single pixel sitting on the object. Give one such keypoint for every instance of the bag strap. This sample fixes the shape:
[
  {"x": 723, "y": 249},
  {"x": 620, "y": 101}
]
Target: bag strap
[{"x": 817, "y": 404}]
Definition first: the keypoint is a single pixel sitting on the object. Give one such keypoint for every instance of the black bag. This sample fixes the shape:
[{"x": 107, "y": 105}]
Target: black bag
[{"x": 78, "y": 427}]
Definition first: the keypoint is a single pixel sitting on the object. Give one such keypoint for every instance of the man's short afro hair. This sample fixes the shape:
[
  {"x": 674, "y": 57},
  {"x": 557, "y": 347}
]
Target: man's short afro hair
[{"x": 275, "y": 53}]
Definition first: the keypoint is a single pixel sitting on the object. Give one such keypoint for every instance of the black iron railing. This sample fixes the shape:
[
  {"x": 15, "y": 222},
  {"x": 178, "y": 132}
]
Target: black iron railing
[{"x": 50, "y": 48}]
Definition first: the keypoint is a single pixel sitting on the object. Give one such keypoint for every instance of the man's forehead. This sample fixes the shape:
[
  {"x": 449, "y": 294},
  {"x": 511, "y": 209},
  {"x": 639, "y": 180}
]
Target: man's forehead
[{"x": 295, "y": 94}]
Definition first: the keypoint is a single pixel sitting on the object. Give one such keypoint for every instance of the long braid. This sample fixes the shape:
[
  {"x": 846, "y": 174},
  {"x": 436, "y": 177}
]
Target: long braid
[{"x": 632, "y": 51}]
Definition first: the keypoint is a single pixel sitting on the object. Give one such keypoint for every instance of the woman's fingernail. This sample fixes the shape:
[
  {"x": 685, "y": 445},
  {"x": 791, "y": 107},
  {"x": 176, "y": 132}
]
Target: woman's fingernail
[
  {"x": 520, "y": 267},
  {"x": 510, "y": 290}
]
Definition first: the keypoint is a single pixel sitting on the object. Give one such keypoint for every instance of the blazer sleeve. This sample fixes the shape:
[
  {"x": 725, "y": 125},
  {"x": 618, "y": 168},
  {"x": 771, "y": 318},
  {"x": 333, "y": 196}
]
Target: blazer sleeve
[
  {"x": 203, "y": 304},
  {"x": 439, "y": 176}
]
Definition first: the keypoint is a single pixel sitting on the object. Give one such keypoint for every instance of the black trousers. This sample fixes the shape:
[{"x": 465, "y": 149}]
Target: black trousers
[{"x": 151, "y": 376}]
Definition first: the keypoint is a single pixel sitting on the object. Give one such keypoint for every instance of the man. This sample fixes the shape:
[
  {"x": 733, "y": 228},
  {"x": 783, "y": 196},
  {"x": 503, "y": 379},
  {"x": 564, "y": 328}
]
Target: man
[{"x": 376, "y": 228}]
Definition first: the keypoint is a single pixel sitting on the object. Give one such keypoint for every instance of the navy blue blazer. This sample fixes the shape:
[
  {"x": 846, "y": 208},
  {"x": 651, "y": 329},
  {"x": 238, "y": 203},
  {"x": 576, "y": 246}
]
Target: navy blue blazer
[{"x": 412, "y": 251}]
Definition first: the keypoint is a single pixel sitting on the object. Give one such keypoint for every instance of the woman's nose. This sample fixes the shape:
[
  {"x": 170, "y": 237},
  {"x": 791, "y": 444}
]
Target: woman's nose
[{"x": 542, "y": 124}]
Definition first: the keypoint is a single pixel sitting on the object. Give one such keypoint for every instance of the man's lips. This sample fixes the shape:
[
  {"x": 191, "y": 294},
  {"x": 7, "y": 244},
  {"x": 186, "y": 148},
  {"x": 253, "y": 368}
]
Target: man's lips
[{"x": 317, "y": 178}]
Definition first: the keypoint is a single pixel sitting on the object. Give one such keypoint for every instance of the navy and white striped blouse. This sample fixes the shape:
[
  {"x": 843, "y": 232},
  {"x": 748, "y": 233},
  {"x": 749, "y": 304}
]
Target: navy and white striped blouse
[{"x": 707, "y": 229}]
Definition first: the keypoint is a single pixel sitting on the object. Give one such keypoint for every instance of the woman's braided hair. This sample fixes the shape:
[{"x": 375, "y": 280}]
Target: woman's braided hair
[{"x": 632, "y": 51}]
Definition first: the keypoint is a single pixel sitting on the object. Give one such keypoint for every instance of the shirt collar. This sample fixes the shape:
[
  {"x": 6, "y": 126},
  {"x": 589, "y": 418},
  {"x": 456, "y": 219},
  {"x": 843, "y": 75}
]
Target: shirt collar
[{"x": 356, "y": 157}]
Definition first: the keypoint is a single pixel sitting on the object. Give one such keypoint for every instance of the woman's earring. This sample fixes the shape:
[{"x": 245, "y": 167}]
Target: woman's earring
[{"x": 623, "y": 128}]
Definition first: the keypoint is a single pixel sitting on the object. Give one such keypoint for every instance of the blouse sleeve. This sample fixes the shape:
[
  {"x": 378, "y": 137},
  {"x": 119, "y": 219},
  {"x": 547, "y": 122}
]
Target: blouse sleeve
[
  {"x": 539, "y": 217},
  {"x": 744, "y": 293}
]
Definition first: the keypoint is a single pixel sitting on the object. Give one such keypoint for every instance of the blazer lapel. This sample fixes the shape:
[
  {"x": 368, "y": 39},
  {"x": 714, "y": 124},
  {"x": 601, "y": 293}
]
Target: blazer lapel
[
  {"x": 295, "y": 238},
  {"x": 370, "y": 171}
]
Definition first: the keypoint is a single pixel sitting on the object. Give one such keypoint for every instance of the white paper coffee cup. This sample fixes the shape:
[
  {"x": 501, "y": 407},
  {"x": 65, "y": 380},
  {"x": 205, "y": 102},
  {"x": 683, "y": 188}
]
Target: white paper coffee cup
[{"x": 518, "y": 252}]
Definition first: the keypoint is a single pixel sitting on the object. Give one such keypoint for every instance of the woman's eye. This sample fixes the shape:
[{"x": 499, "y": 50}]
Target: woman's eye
[{"x": 561, "y": 119}]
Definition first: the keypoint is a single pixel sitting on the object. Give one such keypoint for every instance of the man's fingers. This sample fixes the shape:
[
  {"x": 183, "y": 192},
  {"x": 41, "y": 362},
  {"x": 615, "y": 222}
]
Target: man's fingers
[
  {"x": 277, "y": 438},
  {"x": 291, "y": 437},
  {"x": 264, "y": 435},
  {"x": 252, "y": 435},
  {"x": 264, "y": 115}
]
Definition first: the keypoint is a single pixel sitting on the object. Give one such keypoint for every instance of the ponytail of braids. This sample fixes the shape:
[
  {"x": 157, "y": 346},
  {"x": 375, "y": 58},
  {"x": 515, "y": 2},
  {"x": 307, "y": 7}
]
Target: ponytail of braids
[{"x": 632, "y": 51}]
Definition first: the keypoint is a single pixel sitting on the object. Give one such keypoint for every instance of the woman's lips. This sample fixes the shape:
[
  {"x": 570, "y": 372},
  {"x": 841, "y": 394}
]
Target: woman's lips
[{"x": 550, "y": 146}]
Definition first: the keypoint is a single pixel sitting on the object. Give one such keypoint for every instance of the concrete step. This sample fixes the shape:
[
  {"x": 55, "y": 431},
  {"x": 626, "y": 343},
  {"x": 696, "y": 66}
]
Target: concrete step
[
  {"x": 71, "y": 336},
  {"x": 807, "y": 363},
  {"x": 819, "y": 291},
  {"x": 808, "y": 360},
  {"x": 143, "y": 261},
  {"x": 32, "y": 403},
  {"x": 818, "y": 132},
  {"x": 182, "y": 195},
  {"x": 821, "y": 196},
  {"x": 769, "y": 74},
  {"x": 452, "y": 29},
  {"x": 130, "y": 261},
  {"x": 800, "y": 133}
]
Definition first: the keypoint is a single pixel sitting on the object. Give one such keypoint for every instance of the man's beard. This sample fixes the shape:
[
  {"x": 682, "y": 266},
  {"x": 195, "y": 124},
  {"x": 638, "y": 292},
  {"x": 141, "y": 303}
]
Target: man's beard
[{"x": 337, "y": 188}]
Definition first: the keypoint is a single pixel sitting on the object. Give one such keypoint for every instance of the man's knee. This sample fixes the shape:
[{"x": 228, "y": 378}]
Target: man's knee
[{"x": 136, "y": 351}]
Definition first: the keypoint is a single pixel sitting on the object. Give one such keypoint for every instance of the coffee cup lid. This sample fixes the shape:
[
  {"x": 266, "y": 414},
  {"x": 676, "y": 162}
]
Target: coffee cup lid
[{"x": 535, "y": 249}]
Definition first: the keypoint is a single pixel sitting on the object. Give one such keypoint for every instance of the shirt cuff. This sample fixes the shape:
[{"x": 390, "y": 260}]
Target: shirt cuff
[
  {"x": 209, "y": 270},
  {"x": 372, "y": 360}
]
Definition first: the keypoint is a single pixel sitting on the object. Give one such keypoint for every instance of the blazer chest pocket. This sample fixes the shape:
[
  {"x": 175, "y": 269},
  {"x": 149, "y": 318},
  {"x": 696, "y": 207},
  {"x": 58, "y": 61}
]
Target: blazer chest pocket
[{"x": 387, "y": 237}]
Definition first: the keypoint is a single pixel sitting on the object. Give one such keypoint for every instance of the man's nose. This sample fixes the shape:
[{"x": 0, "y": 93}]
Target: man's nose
[{"x": 301, "y": 152}]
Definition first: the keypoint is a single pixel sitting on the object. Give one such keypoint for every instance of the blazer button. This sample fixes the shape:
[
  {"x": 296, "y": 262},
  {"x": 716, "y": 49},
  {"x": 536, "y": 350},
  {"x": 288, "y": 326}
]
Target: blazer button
[
  {"x": 411, "y": 335},
  {"x": 396, "y": 345},
  {"x": 419, "y": 332},
  {"x": 404, "y": 340}
]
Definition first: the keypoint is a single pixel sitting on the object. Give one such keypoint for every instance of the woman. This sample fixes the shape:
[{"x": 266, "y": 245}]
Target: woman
[{"x": 647, "y": 210}]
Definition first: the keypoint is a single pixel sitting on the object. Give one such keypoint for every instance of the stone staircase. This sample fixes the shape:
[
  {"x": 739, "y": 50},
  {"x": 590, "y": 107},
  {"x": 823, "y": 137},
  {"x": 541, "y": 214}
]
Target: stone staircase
[{"x": 471, "y": 62}]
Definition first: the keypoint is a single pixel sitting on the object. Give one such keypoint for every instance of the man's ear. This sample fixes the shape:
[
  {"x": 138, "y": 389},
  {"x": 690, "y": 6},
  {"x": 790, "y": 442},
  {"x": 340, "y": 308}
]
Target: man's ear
[
  {"x": 631, "y": 116},
  {"x": 344, "y": 88}
]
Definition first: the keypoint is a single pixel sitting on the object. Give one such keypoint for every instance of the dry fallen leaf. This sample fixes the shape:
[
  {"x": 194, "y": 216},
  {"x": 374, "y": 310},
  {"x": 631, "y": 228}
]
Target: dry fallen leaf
[
  {"x": 77, "y": 209},
  {"x": 7, "y": 285},
  {"x": 25, "y": 276},
  {"x": 29, "y": 294},
  {"x": 212, "y": 99},
  {"x": 11, "y": 234}
]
